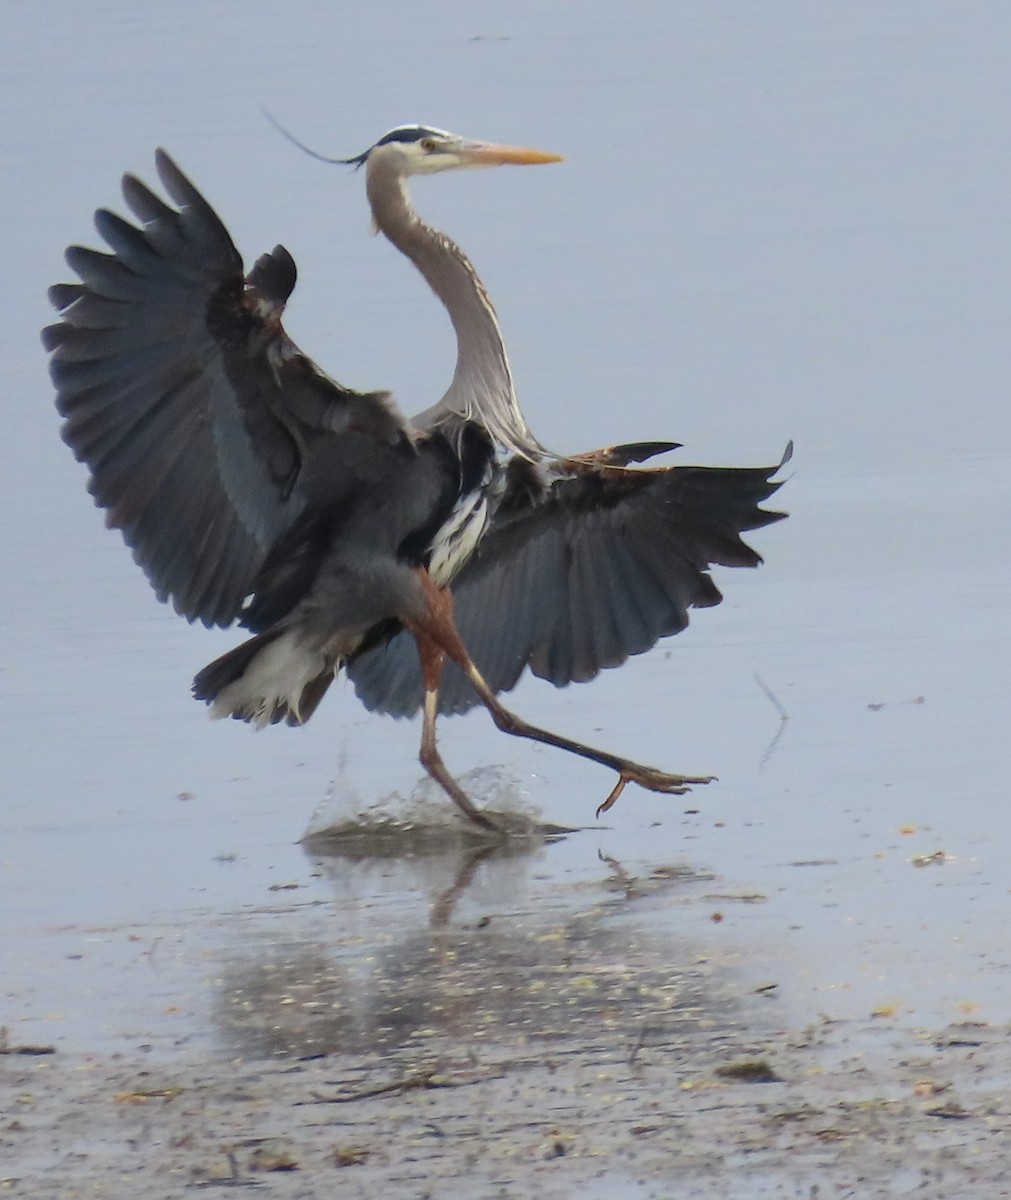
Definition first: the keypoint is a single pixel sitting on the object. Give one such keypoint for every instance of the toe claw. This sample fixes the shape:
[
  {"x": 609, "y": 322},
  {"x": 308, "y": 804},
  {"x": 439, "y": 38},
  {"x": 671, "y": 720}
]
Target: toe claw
[
  {"x": 654, "y": 781},
  {"x": 616, "y": 791}
]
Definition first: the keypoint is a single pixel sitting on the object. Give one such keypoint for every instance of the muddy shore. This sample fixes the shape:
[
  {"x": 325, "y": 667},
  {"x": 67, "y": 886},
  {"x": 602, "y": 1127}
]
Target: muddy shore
[{"x": 574, "y": 1047}]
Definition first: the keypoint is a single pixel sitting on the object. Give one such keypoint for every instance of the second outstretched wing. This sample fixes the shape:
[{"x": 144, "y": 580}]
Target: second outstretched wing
[
  {"x": 206, "y": 430},
  {"x": 580, "y": 571}
]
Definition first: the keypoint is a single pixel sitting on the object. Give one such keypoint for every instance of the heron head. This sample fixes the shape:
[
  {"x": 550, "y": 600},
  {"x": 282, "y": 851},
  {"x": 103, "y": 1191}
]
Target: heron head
[{"x": 424, "y": 150}]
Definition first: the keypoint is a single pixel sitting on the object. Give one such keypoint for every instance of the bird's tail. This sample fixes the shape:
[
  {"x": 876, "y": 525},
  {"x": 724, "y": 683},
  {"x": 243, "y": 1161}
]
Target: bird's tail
[{"x": 275, "y": 676}]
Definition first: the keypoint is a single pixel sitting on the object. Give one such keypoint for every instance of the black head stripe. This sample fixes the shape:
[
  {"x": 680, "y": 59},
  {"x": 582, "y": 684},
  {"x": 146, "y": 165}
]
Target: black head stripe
[
  {"x": 403, "y": 135},
  {"x": 406, "y": 134}
]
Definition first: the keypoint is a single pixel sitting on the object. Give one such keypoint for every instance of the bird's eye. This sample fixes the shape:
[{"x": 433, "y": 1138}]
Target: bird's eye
[{"x": 428, "y": 144}]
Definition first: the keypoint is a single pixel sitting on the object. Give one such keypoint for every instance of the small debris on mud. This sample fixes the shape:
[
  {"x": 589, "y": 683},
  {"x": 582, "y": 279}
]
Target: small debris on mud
[
  {"x": 272, "y": 1155},
  {"x": 753, "y": 1070},
  {"x": 950, "y": 1112},
  {"x": 879, "y": 705},
  {"x": 144, "y": 1095},
  {"x": 937, "y": 859},
  {"x": 350, "y": 1156}
]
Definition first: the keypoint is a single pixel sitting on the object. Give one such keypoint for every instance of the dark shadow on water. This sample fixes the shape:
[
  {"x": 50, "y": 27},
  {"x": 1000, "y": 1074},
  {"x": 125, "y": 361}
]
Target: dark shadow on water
[{"x": 411, "y": 837}]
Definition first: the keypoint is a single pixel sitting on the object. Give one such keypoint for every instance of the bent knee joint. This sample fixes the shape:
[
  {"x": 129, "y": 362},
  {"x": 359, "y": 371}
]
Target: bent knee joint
[{"x": 508, "y": 722}]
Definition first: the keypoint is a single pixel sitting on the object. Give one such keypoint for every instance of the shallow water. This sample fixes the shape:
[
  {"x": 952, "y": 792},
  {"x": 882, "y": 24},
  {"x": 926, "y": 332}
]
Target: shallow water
[{"x": 774, "y": 221}]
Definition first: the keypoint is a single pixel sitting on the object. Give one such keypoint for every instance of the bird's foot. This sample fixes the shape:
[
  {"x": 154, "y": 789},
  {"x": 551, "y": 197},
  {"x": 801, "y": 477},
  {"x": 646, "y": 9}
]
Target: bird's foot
[
  {"x": 653, "y": 781},
  {"x": 477, "y": 819}
]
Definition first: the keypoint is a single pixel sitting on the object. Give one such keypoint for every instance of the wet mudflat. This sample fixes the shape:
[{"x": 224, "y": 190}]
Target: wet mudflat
[
  {"x": 773, "y": 222},
  {"x": 433, "y": 1043},
  {"x": 508, "y": 1123}
]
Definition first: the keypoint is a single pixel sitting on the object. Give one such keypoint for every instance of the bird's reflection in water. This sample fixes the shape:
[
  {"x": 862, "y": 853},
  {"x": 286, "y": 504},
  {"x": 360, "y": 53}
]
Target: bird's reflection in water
[
  {"x": 458, "y": 948},
  {"x": 425, "y": 846}
]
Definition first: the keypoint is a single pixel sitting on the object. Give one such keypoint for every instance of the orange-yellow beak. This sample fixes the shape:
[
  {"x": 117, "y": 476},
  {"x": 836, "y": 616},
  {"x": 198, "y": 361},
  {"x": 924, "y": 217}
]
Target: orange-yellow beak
[{"x": 489, "y": 154}]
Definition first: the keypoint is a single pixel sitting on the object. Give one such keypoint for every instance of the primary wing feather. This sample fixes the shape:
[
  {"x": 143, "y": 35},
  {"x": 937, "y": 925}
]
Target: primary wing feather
[
  {"x": 206, "y": 430},
  {"x": 577, "y": 573}
]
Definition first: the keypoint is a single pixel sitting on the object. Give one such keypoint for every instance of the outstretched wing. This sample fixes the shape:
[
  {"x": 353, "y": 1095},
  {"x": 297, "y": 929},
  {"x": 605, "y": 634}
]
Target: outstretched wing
[
  {"x": 205, "y": 428},
  {"x": 578, "y": 572}
]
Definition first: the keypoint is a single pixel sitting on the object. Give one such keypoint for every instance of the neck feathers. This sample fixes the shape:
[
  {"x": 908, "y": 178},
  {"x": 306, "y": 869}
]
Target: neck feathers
[{"x": 482, "y": 388}]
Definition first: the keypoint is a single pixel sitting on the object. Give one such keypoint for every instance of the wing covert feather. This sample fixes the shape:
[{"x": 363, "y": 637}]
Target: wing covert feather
[{"x": 573, "y": 579}]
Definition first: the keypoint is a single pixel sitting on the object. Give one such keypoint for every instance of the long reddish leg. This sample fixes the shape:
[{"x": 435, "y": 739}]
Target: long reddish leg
[
  {"x": 433, "y": 658},
  {"x": 437, "y": 626}
]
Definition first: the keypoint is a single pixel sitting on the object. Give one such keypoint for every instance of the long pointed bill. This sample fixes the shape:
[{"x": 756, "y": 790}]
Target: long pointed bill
[{"x": 488, "y": 154}]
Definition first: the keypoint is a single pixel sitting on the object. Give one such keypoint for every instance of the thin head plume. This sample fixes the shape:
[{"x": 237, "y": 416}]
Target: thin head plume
[{"x": 356, "y": 162}]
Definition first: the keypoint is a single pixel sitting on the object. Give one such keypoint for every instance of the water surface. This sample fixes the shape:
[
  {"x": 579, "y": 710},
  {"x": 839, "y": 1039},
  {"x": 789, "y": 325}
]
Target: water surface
[{"x": 774, "y": 221}]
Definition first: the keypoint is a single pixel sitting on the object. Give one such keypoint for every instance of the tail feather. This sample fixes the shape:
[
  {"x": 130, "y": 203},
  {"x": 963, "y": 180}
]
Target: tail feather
[{"x": 272, "y": 677}]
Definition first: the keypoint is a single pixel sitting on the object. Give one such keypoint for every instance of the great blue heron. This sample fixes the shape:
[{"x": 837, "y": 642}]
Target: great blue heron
[{"x": 253, "y": 488}]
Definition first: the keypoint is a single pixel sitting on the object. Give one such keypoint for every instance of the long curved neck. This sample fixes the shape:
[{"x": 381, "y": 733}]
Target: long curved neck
[{"x": 482, "y": 387}]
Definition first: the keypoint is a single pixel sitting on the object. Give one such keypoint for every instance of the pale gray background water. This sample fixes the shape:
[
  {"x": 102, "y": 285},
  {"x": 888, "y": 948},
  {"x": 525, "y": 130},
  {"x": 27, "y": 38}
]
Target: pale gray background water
[{"x": 775, "y": 220}]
